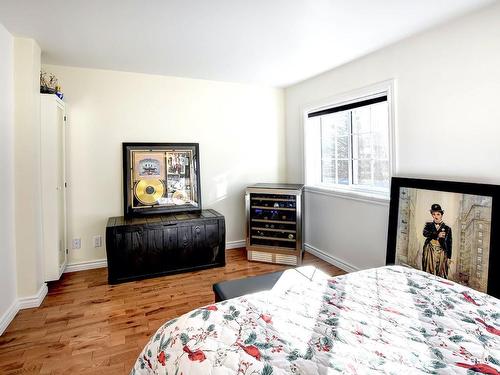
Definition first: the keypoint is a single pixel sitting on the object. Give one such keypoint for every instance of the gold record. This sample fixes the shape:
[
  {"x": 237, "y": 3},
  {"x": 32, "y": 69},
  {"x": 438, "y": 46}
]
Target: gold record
[{"x": 149, "y": 191}]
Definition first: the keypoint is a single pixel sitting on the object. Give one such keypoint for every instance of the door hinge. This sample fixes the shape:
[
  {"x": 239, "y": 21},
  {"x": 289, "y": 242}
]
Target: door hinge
[
  {"x": 66, "y": 251},
  {"x": 65, "y": 118},
  {"x": 65, "y": 184}
]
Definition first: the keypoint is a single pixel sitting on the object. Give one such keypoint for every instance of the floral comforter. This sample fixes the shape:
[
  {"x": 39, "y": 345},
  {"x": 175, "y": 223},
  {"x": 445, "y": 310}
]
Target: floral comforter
[{"x": 389, "y": 320}]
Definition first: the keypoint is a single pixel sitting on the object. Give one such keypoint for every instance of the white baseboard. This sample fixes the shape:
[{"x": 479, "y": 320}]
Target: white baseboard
[
  {"x": 235, "y": 244},
  {"x": 330, "y": 258},
  {"x": 63, "y": 266},
  {"x": 87, "y": 265},
  {"x": 22, "y": 303},
  {"x": 33, "y": 301},
  {"x": 8, "y": 316},
  {"x": 101, "y": 263}
]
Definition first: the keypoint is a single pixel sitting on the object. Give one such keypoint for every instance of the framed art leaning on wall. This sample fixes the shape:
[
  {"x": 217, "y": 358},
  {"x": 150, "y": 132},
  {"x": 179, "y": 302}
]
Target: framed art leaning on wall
[
  {"x": 449, "y": 229},
  {"x": 161, "y": 177}
]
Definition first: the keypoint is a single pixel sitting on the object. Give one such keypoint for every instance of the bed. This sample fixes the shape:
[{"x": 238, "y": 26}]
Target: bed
[{"x": 390, "y": 320}]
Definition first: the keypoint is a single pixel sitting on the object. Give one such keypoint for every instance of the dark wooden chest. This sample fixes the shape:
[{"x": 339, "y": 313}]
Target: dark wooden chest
[{"x": 160, "y": 245}]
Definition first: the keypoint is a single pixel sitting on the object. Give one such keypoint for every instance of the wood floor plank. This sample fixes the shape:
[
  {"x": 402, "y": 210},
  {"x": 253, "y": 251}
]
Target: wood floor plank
[{"x": 86, "y": 326}]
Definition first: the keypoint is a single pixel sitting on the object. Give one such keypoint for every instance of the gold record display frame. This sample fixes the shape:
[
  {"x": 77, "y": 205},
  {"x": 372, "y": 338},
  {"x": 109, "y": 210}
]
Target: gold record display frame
[{"x": 161, "y": 178}]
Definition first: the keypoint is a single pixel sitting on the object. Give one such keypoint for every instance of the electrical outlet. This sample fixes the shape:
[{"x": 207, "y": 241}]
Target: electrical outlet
[
  {"x": 77, "y": 243},
  {"x": 97, "y": 241}
]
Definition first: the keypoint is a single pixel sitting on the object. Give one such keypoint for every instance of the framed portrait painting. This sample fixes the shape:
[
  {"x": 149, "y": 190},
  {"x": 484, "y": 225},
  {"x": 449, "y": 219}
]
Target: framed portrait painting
[{"x": 449, "y": 229}]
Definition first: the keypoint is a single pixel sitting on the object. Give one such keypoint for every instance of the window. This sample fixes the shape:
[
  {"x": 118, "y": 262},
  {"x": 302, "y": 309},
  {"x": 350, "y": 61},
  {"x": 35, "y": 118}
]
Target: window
[{"x": 348, "y": 144}]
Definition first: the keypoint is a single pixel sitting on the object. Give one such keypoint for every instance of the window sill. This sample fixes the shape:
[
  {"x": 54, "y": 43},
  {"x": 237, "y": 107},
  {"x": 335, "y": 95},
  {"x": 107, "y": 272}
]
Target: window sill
[{"x": 361, "y": 196}]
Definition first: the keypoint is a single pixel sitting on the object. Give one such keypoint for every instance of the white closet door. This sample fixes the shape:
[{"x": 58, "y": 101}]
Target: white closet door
[
  {"x": 53, "y": 185},
  {"x": 61, "y": 191}
]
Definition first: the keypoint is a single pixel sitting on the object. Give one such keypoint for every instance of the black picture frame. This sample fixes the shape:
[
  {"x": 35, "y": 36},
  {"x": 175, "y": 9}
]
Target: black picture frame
[
  {"x": 154, "y": 184},
  {"x": 475, "y": 189}
]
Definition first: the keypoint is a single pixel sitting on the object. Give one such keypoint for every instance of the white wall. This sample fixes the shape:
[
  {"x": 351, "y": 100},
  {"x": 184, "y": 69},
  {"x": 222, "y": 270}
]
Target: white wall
[
  {"x": 8, "y": 280},
  {"x": 240, "y": 129},
  {"x": 28, "y": 222},
  {"x": 447, "y": 125}
]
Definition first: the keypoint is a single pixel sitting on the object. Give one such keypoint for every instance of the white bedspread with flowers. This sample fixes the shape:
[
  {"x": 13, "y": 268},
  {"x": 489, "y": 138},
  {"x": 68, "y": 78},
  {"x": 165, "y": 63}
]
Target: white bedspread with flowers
[{"x": 389, "y": 320}]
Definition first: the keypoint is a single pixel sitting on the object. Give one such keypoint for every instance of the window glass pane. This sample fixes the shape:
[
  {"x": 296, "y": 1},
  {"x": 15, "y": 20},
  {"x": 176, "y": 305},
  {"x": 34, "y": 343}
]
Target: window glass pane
[
  {"x": 327, "y": 127},
  {"x": 328, "y": 171},
  {"x": 343, "y": 172},
  {"x": 381, "y": 173},
  {"x": 362, "y": 147},
  {"x": 343, "y": 147},
  {"x": 327, "y": 150},
  {"x": 380, "y": 118},
  {"x": 361, "y": 120},
  {"x": 380, "y": 146},
  {"x": 364, "y": 172},
  {"x": 339, "y": 120},
  {"x": 342, "y": 123},
  {"x": 327, "y": 141}
]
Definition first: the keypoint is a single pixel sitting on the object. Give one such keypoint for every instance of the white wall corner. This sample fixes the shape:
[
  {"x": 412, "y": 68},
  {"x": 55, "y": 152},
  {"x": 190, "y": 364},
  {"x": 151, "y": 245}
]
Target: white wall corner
[
  {"x": 35, "y": 300},
  {"x": 8, "y": 276},
  {"x": 8, "y": 316},
  {"x": 27, "y": 212},
  {"x": 22, "y": 303},
  {"x": 330, "y": 258}
]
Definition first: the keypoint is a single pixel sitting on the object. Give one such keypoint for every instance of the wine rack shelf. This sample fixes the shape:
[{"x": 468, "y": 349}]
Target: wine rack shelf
[
  {"x": 275, "y": 230},
  {"x": 274, "y": 208},
  {"x": 274, "y": 223}
]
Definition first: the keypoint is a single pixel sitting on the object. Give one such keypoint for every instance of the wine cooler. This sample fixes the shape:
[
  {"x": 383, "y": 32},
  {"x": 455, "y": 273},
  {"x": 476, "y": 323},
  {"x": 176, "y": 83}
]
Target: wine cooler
[{"x": 274, "y": 223}]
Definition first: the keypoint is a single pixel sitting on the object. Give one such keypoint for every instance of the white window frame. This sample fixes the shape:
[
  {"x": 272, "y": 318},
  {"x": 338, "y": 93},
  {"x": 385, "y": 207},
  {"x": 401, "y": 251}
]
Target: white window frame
[{"x": 352, "y": 191}]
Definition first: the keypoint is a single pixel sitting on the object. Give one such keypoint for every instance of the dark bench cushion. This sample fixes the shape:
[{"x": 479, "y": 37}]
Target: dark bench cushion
[{"x": 236, "y": 288}]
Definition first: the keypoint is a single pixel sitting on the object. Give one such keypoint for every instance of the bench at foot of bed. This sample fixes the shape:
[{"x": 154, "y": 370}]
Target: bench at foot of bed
[{"x": 253, "y": 284}]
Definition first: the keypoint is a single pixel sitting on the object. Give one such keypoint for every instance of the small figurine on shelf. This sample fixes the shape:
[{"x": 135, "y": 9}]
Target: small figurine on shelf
[
  {"x": 49, "y": 84},
  {"x": 59, "y": 93},
  {"x": 44, "y": 84}
]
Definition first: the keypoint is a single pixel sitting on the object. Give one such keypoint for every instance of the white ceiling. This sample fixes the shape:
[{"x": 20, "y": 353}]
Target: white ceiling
[{"x": 270, "y": 42}]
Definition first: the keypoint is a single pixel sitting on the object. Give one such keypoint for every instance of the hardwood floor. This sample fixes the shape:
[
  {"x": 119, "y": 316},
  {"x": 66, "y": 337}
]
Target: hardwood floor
[{"x": 86, "y": 326}]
